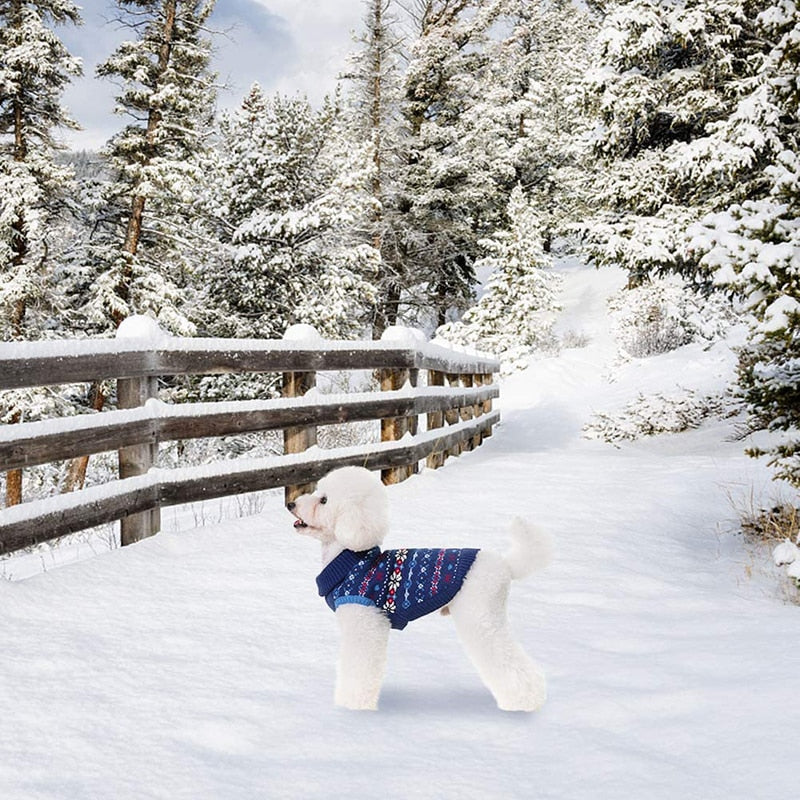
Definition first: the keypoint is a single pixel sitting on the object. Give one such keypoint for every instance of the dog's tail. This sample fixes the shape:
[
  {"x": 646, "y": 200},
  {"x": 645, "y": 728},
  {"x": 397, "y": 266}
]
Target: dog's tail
[{"x": 531, "y": 549}]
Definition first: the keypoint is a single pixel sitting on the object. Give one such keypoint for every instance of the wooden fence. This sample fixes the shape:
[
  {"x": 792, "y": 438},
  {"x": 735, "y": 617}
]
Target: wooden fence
[{"x": 456, "y": 399}]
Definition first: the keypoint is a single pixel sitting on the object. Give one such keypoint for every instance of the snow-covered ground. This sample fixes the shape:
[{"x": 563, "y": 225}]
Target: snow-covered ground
[{"x": 200, "y": 663}]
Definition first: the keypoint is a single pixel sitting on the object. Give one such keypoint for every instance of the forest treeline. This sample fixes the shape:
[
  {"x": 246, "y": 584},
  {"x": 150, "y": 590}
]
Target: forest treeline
[{"x": 468, "y": 139}]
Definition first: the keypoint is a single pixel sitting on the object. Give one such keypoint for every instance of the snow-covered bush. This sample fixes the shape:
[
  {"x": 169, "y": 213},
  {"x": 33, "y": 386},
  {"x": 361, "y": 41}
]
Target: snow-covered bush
[
  {"x": 658, "y": 413},
  {"x": 664, "y": 314},
  {"x": 515, "y": 315},
  {"x": 777, "y": 529}
]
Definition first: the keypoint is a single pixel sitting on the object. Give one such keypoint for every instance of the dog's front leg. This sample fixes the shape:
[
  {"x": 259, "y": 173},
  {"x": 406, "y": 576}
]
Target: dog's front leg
[{"x": 364, "y": 632}]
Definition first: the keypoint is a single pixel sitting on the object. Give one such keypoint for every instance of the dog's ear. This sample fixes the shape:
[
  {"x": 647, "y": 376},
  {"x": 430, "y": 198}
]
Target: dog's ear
[{"x": 359, "y": 527}]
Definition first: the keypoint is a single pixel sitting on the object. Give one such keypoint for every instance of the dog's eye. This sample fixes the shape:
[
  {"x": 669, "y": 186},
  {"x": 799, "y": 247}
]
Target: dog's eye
[{"x": 323, "y": 500}]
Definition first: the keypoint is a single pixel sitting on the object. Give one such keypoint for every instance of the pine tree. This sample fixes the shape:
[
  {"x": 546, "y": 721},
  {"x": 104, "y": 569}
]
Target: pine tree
[
  {"x": 488, "y": 104},
  {"x": 137, "y": 259},
  {"x": 375, "y": 81},
  {"x": 35, "y": 67},
  {"x": 527, "y": 119},
  {"x": 677, "y": 125},
  {"x": 34, "y": 71},
  {"x": 514, "y": 316},
  {"x": 753, "y": 249},
  {"x": 449, "y": 187},
  {"x": 155, "y": 161},
  {"x": 291, "y": 189}
]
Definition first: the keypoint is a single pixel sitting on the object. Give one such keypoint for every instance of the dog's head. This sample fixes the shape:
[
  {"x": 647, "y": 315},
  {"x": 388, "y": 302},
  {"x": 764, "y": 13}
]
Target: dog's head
[{"x": 350, "y": 507}]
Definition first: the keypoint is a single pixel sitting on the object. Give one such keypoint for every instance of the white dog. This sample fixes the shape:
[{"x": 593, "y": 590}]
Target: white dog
[{"x": 373, "y": 591}]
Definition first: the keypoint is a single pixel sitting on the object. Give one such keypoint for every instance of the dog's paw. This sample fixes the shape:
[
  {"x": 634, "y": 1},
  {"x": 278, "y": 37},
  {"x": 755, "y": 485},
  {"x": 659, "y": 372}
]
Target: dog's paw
[
  {"x": 522, "y": 704},
  {"x": 527, "y": 693},
  {"x": 356, "y": 704},
  {"x": 356, "y": 698}
]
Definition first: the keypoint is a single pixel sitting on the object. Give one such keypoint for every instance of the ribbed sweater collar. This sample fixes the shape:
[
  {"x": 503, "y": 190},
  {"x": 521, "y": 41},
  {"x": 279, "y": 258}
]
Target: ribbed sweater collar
[{"x": 340, "y": 567}]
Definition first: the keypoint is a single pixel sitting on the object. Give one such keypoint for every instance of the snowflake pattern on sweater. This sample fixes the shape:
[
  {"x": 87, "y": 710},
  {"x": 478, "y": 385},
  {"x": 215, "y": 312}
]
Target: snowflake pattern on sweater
[{"x": 404, "y": 584}]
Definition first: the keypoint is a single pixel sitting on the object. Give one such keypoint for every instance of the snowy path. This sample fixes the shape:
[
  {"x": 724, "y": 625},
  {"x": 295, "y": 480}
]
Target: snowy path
[{"x": 200, "y": 664}]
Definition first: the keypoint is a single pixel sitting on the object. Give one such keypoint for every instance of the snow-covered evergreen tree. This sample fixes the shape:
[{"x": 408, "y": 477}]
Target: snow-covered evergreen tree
[
  {"x": 290, "y": 192},
  {"x": 488, "y": 104},
  {"x": 681, "y": 126},
  {"x": 448, "y": 186},
  {"x": 139, "y": 257},
  {"x": 528, "y": 120},
  {"x": 375, "y": 85},
  {"x": 514, "y": 317},
  {"x": 753, "y": 249},
  {"x": 35, "y": 68}
]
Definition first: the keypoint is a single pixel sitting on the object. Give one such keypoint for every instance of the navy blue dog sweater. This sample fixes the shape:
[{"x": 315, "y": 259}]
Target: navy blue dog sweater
[{"x": 404, "y": 584}]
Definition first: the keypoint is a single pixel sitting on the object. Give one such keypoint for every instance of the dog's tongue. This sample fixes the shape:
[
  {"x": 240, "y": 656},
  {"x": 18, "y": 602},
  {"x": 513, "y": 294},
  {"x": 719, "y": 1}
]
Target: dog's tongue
[{"x": 300, "y": 524}]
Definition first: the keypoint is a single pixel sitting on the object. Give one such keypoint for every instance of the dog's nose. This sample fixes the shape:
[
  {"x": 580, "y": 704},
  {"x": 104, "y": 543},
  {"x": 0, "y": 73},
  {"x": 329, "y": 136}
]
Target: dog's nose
[{"x": 290, "y": 506}]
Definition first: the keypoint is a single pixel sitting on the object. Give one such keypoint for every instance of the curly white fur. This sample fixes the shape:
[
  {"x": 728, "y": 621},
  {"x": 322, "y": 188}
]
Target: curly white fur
[{"x": 349, "y": 510}]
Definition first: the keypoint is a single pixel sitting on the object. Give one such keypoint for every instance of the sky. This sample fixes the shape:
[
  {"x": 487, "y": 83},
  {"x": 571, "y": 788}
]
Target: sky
[{"x": 285, "y": 45}]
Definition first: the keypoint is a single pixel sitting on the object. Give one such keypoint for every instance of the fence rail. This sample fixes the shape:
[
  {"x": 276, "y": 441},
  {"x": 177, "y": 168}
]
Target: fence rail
[
  {"x": 30, "y": 364},
  {"x": 456, "y": 402}
]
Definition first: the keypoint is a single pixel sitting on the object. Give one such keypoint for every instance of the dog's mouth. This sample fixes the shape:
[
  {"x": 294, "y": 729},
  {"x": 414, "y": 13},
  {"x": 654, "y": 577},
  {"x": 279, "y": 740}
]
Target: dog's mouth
[{"x": 299, "y": 524}]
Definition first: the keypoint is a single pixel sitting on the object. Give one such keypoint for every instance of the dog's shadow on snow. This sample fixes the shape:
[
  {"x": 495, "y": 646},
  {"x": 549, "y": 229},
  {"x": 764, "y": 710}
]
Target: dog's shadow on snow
[{"x": 439, "y": 702}]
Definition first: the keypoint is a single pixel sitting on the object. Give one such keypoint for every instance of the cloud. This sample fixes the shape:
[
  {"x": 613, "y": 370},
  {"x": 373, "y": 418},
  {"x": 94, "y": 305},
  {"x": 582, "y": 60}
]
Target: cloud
[
  {"x": 252, "y": 44},
  {"x": 321, "y": 31},
  {"x": 89, "y": 100},
  {"x": 288, "y": 46}
]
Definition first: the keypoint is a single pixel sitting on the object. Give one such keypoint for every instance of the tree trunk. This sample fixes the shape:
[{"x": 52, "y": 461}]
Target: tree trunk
[
  {"x": 441, "y": 304},
  {"x": 76, "y": 471},
  {"x": 388, "y": 309}
]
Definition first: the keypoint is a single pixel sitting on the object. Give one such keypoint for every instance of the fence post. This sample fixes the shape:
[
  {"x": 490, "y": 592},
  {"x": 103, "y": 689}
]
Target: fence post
[
  {"x": 488, "y": 380},
  {"x": 413, "y": 421},
  {"x": 435, "y": 420},
  {"x": 137, "y": 459},
  {"x": 394, "y": 428},
  {"x": 466, "y": 412},
  {"x": 477, "y": 410},
  {"x": 296, "y": 384},
  {"x": 451, "y": 415}
]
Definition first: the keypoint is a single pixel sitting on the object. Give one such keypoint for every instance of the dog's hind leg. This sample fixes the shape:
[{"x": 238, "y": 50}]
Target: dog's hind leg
[
  {"x": 364, "y": 633},
  {"x": 479, "y": 613}
]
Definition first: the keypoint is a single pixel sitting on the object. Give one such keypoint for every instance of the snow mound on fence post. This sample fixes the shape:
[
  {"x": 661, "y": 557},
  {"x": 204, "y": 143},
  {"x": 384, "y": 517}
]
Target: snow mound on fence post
[{"x": 140, "y": 326}]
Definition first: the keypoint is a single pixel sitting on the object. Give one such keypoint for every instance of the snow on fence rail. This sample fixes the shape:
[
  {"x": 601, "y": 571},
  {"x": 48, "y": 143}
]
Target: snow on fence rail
[{"x": 457, "y": 402}]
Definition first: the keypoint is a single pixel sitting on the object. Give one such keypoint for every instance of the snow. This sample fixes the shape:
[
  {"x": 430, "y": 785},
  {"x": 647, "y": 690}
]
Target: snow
[
  {"x": 401, "y": 334},
  {"x": 140, "y": 326},
  {"x": 301, "y": 332},
  {"x": 786, "y": 552},
  {"x": 200, "y": 663},
  {"x": 776, "y": 315},
  {"x": 73, "y": 348}
]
